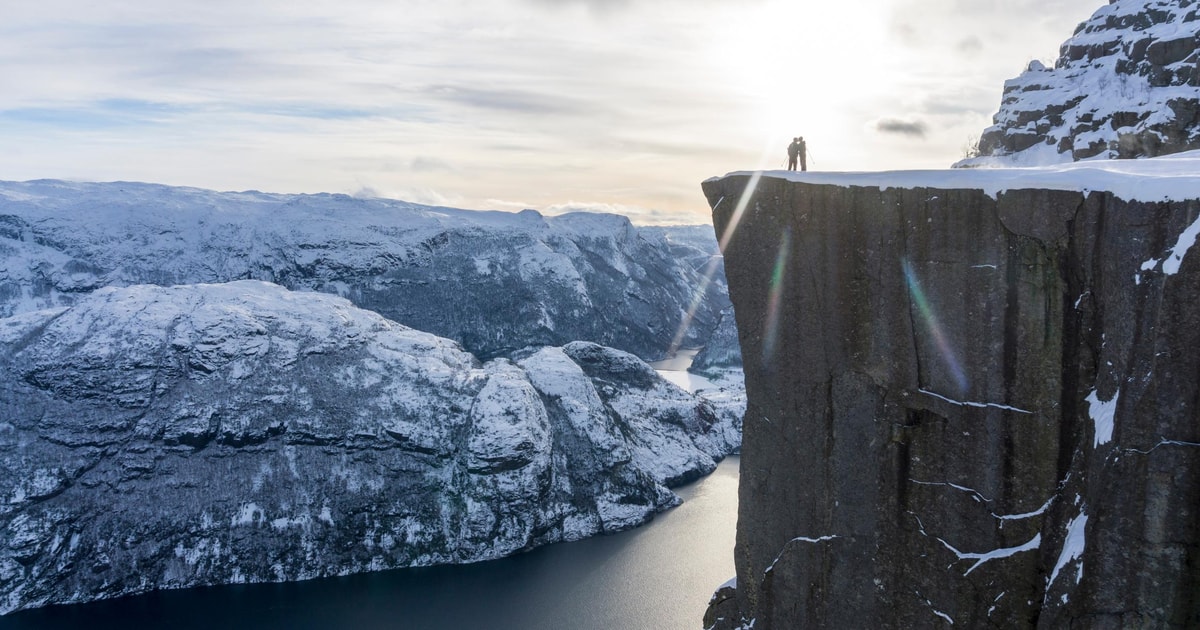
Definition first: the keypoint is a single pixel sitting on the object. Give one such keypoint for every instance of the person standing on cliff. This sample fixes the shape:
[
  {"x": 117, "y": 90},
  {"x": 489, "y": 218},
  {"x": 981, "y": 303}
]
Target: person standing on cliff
[{"x": 797, "y": 150}]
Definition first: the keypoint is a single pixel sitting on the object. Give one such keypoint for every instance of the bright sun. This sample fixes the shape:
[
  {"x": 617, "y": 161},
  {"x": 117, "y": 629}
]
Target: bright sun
[{"x": 793, "y": 63}]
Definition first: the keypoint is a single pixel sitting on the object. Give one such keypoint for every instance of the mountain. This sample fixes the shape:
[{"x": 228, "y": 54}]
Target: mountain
[
  {"x": 972, "y": 397},
  {"x": 495, "y": 282},
  {"x": 721, "y": 351},
  {"x": 165, "y": 437},
  {"x": 1125, "y": 85}
]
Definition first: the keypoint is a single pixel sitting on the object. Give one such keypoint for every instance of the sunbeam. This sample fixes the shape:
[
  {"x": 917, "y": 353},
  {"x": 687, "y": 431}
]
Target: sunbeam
[
  {"x": 738, "y": 211},
  {"x": 711, "y": 269},
  {"x": 697, "y": 298},
  {"x": 925, "y": 309},
  {"x": 775, "y": 299}
]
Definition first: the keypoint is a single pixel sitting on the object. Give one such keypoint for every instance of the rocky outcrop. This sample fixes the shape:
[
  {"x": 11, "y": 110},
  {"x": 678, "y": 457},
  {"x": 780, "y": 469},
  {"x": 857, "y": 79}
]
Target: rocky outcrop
[
  {"x": 1125, "y": 85},
  {"x": 721, "y": 351},
  {"x": 495, "y": 282},
  {"x": 964, "y": 408},
  {"x": 168, "y": 437}
]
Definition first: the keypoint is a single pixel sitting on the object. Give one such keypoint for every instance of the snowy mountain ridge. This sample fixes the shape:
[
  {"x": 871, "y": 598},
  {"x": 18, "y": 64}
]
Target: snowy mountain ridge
[
  {"x": 1125, "y": 85},
  {"x": 493, "y": 281}
]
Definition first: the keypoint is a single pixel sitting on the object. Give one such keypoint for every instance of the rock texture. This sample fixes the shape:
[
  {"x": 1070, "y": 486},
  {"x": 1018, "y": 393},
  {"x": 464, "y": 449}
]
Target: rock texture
[
  {"x": 721, "y": 351},
  {"x": 158, "y": 437},
  {"x": 1125, "y": 85},
  {"x": 964, "y": 409},
  {"x": 495, "y": 282}
]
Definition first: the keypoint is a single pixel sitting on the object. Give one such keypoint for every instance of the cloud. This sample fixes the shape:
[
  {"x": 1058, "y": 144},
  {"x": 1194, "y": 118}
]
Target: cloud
[
  {"x": 508, "y": 206},
  {"x": 596, "y": 5},
  {"x": 461, "y": 103},
  {"x": 607, "y": 6},
  {"x": 427, "y": 164},
  {"x": 507, "y": 100},
  {"x": 970, "y": 45},
  {"x": 914, "y": 128},
  {"x": 104, "y": 114}
]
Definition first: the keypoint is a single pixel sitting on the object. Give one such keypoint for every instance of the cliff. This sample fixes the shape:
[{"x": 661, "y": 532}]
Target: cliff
[{"x": 973, "y": 397}]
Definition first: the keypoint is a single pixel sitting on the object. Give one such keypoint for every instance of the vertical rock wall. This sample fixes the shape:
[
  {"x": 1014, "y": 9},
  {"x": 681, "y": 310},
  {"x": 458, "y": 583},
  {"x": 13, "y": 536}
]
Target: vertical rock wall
[{"x": 963, "y": 409}]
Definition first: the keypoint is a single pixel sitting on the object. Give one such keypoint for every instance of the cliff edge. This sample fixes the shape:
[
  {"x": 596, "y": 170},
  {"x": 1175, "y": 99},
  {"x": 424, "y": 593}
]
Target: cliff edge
[{"x": 974, "y": 398}]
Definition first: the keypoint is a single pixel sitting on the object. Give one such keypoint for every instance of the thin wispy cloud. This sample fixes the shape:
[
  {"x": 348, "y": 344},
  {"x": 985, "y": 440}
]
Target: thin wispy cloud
[{"x": 510, "y": 100}]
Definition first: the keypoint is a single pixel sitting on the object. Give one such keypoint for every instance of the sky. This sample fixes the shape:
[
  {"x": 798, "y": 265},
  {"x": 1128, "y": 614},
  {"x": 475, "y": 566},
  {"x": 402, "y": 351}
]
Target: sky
[{"x": 611, "y": 105}]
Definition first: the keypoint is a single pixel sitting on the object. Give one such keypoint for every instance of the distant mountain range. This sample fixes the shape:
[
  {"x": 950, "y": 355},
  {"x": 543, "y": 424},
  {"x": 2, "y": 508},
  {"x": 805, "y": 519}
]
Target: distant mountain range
[{"x": 495, "y": 282}]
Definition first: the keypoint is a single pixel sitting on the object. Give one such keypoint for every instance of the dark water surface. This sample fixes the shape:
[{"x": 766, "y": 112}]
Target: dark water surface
[{"x": 656, "y": 577}]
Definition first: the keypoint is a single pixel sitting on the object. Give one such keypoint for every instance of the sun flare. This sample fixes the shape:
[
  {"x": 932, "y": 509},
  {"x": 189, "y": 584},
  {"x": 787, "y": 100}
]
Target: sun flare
[{"x": 789, "y": 64}]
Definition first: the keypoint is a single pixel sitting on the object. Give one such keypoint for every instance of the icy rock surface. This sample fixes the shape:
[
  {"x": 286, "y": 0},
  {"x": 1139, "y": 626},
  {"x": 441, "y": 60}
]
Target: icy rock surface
[
  {"x": 1125, "y": 85},
  {"x": 495, "y": 282},
  {"x": 158, "y": 437}
]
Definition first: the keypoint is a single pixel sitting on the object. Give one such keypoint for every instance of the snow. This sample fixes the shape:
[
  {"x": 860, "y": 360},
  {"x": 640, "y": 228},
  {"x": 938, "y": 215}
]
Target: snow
[
  {"x": 249, "y": 514},
  {"x": 971, "y": 491},
  {"x": 1162, "y": 442},
  {"x": 799, "y": 539},
  {"x": 1173, "y": 177},
  {"x": 1103, "y": 413},
  {"x": 975, "y": 404},
  {"x": 1017, "y": 517},
  {"x": 1185, "y": 242},
  {"x": 1072, "y": 547},
  {"x": 807, "y": 539},
  {"x": 995, "y": 554}
]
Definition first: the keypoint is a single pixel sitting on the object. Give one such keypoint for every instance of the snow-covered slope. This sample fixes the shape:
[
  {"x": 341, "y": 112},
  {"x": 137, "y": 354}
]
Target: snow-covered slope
[
  {"x": 157, "y": 437},
  {"x": 1125, "y": 85},
  {"x": 1175, "y": 177},
  {"x": 493, "y": 281}
]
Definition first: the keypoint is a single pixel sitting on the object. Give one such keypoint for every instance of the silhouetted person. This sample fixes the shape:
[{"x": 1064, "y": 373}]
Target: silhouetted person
[
  {"x": 803, "y": 151},
  {"x": 793, "y": 152}
]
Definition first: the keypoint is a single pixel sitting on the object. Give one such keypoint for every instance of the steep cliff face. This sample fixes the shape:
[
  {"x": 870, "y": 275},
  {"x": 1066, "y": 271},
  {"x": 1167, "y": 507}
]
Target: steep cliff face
[
  {"x": 158, "y": 437},
  {"x": 974, "y": 405},
  {"x": 1125, "y": 85}
]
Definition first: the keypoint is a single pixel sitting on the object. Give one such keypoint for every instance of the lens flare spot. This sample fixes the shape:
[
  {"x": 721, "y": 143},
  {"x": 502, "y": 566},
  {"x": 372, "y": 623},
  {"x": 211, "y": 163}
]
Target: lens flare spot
[
  {"x": 775, "y": 299},
  {"x": 925, "y": 310}
]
